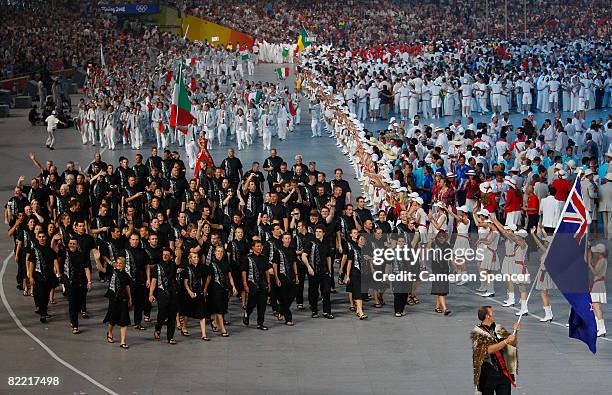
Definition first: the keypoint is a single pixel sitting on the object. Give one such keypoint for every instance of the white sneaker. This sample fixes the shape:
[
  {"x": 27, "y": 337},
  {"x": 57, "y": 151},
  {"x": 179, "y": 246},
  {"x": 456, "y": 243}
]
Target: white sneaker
[
  {"x": 508, "y": 303},
  {"x": 547, "y": 318},
  {"x": 601, "y": 333},
  {"x": 487, "y": 294}
]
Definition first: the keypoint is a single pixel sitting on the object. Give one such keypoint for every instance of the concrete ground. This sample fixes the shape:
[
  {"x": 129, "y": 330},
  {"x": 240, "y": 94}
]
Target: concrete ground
[{"x": 421, "y": 353}]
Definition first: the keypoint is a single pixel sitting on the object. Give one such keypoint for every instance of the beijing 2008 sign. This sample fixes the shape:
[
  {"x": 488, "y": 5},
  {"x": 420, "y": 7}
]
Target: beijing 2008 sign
[{"x": 131, "y": 9}]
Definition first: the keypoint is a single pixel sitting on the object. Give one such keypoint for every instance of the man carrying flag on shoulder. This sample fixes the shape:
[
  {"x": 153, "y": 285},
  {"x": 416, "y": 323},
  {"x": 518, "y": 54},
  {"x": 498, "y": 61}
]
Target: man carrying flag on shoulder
[{"x": 494, "y": 354}]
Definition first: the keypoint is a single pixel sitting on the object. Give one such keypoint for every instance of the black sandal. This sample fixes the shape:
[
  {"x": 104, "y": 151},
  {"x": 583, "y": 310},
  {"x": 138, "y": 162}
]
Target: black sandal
[
  {"x": 185, "y": 333},
  {"x": 438, "y": 310},
  {"x": 109, "y": 338},
  {"x": 206, "y": 338},
  {"x": 157, "y": 335},
  {"x": 124, "y": 346},
  {"x": 225, "y": 334},
  {"x": 363, "y": 316},
  {"x": 377, "y": 305}
]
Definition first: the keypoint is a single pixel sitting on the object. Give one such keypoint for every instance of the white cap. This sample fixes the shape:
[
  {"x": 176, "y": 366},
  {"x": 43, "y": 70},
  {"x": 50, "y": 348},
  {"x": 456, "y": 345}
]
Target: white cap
[
  {"x": 600, "y": 248},
  {"x": 402, "y": 189},
  {"x": 521, "y": 232},
  {"x": 463, "y": 208},
  {"x": 418, "y": 201},
  {"x": 484, "y": 212},
  {"x": 53, "y": 112},
  {"x": 588, "y": 172}
]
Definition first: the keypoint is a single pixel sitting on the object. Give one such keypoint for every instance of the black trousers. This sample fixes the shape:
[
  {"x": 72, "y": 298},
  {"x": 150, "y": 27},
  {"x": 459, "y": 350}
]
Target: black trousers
[
  {"x": 274, "y": 297},
  {"x": 322, "y": 282},
  {"x": 141, "y": 302},
  {"x": 257, "y": 298},
  {"x": 42, "y": 287},
  {"x": 21, "y": 270},
  {"x": 167, "y": 306},
  {"x": 286, "y": 295},
  {"x": 501, "y": 387},
  {"x": 491, "y": 383},
  {"x": 399, "y": 302},
  {"x": 75, "y": 294},
  {"x": 299, "y": 291}
]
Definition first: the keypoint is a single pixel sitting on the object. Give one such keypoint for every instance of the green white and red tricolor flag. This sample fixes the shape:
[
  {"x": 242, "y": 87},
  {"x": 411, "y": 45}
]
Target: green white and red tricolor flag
[
  {"x": 292, "y": 109},
  {"x": 283, "y": 72},
  {"x": 180, "y": 110}
]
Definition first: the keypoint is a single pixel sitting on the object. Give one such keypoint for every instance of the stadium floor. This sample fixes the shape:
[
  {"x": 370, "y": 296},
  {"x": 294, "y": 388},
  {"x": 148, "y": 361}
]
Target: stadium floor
[{"x": 421, "y": 353}]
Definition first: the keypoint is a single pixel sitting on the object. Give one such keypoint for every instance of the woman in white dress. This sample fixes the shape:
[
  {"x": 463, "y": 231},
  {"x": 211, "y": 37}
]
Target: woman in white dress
[
  {"x": 449, "y": 98},
  {"x": 543, "y": 281},
  {"x": 462, "y": 241},
  {"x": 514, "y": 262},
  {"x": 598, "y": 264},
  {"x": 413, "y": 107},
  {"x": 487, "y": 243}
]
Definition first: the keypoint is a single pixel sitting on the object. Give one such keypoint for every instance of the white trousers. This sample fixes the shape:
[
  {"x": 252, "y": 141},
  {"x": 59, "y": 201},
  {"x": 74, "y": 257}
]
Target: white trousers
[
  {"x": 222, "y": 133},
  {"x": 191, "y": 149},
  {"x": 50, "y": 137},
  {"x": 267, "y": 138}
]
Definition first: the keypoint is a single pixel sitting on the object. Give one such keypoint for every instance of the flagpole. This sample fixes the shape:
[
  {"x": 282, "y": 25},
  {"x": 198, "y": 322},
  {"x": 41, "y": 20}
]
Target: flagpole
[
  {"x": 179, "y": 83},
  {"x": 550, "y": 244},
  {"x": 186, "y": 31}
]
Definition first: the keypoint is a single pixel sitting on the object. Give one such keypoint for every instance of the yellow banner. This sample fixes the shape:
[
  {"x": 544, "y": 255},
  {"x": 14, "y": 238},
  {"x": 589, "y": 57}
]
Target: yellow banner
[{"x": 203, "y": 30}]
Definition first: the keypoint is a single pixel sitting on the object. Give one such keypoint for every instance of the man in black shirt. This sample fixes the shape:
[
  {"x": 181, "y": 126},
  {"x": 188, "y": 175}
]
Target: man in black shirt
[
  {"x": 141, "y": 171},
  {"x": 316, "y": 257},
  {"x": 164, "y": 288},
  {"x": 256, "y": 283},
  {"x": 154, "y": 161},
  {"x": 44, "y": 266},
  {"x": 76, "y": 277},
  {"x": 137, "y": 265},
  {"x": 272, "y": 166},
  {"x": 233, "y": 168},
  {"x": 362, "y": 212},
  {"x": 276, "y": 211},
  {"x": 343, "y": 184},
  {"x": 86, "y": 243},
  {"x": 255, "y": 175}
]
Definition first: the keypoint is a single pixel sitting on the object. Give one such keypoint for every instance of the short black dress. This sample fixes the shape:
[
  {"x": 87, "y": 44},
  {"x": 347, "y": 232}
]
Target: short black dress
[
  {"x": 439, "y": 265},
  {"x": 118, "y": 312},
  {"x": 218, "y": 292},
  {"x": 196, "y": 277}
]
